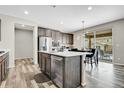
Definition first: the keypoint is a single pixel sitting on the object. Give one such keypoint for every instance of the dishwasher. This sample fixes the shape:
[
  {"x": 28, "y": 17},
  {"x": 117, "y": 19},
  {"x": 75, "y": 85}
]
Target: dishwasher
[{"x": 57, "y": 70}]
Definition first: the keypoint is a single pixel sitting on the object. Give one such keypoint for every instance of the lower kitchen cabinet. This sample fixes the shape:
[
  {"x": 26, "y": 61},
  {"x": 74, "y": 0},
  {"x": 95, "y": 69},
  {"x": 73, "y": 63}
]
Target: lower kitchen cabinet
[
  {"x": 43, "y": 60},
  {"x": 4, "y": 63},
  {"x": 48, "y": 65},
  {"x": 65, "y": 71},
  {"x": 0, "y": 72},
  {"x": 39, "y": 59},
  {"x": 3, "y": 70},
  {"x": 45, "y": 63}
]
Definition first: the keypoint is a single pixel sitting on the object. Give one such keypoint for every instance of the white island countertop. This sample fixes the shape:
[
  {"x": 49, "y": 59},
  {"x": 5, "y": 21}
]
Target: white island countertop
[
  {"x": 5, "y": 51},
  {"x": 66, "y": 53}
]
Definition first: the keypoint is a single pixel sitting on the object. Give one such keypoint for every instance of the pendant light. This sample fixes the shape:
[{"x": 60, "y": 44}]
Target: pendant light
[
  {"x": 83, "y": 41},
  {"x": 83, "y": 25}
]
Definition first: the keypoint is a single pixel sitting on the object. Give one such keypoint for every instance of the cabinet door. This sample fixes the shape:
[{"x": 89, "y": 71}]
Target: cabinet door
[
  {"x": 39, "y": 60},
  {"x": 60, "y": 37},
  {"x": 64, "y": 38},
  {"x": 67, "y": 38},
  {"x": 53, "y": 35},
  {"x": 0, "y": 72},
  {"x": 43, "y": 63},
  {"x": 57, "y": 70},
  {"x": 5, "y": 66},
  {"x": 48, "y": 33},
  {"x": 48, "y": 65},
  {"x": 57, "y": 36},
  {"x": 3, "y": 71},
  {"x": 71, "y": 39},
  {"x": 41, "y": 32}
]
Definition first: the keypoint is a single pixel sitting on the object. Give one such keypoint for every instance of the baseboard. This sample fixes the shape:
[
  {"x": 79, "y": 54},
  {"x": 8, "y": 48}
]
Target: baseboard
[
  {"x": 23, "y": 58},
  {"x": 118, "y": 64},
  {"x": 11, "y": 66}
]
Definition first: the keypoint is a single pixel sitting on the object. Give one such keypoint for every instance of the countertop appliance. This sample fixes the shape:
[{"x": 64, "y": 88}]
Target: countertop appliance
[{"x": 45, "y": 43}]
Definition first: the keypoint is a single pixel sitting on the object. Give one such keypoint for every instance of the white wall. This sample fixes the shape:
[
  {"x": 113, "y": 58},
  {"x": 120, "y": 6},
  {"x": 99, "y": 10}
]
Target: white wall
[
  {"x": 8, "y": 36},
  {"x": 117, "y": 39},
  {"x": 23, "y": 43}
]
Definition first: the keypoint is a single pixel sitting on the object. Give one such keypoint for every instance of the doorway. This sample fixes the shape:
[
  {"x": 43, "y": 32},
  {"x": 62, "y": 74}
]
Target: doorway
[
  {"x": 23, "y": 42},
  {"x": 102, "y": 40}
]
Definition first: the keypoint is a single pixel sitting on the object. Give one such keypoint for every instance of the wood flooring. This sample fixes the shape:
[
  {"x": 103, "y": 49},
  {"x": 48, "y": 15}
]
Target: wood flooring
[
  {"x": 28, "y": 75},
  {"x": 104, "y": 75}
]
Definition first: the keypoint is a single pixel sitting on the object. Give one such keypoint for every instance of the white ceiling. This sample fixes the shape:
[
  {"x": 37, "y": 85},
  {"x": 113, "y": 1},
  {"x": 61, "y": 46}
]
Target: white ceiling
[{"x": 70, "y": 15}]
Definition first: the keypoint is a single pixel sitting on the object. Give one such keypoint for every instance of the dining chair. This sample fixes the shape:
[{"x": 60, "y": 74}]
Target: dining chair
[{"x": 89, "y": 58}]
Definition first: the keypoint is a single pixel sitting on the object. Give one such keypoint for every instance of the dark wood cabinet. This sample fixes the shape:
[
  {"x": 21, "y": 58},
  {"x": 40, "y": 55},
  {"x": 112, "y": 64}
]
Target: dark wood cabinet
[
  {"x": 65, "y": 71},
  {"x": 44, "y": 32},
  {"x": 4, "y": 63},
  {"x": 48, "y": 65},
  {"x": 39, "y": 59},
  {"x": 67, "y": 38},
  {"x": 64, "y": 38},
  {"x": 0, "y": 72},
  {"x": 70, "y": 38},
  {"x": 48, "y": 33},
  {"x": 53, "y": 35},
  {"x": 41, "y": 31},
  {"x": 44, "y": 61},
  {"x": 60, "y": 37},
  {"x": 3, "y": 71},
  {"x": 56, "y": 36}
]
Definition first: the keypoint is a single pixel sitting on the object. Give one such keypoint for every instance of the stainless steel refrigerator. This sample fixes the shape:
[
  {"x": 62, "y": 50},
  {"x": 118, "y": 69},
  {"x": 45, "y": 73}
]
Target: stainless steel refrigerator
[{"x": 45, "y": 44}]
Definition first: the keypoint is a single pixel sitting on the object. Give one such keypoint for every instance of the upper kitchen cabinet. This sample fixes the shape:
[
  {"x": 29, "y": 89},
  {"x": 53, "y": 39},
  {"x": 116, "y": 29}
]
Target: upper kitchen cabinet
[
  {"x": 70, "y": 38},
  {"x": 60, "y": 37},
  {"x": 64, "y": 38},
  {"x": 55, "y": 35},
  {"x": 41, "y": 31},
  {"x": 48, "y": 33},
  {"x": 67, "y": 38},
  {"x": 44, "y": 32}
]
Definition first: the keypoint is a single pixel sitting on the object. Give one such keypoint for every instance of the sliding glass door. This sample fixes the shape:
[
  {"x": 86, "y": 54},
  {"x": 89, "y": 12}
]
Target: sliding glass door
[
  {"x": 104, "y": 45},
  {"x": 102, "y": 40}
]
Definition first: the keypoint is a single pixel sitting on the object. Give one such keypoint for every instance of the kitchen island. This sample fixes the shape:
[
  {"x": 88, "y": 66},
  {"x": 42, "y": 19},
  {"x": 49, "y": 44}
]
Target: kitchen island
[{"x": 65, "y": 69}]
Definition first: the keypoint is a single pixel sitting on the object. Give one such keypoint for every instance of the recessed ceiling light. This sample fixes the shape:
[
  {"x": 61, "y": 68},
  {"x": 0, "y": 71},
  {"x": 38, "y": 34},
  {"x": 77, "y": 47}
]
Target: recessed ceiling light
[
  {"x": 61, "y": 22},
  {"x": 26, "y": 12},
  {"x": 53, "y": 6},
  {"x": 23, "y": 25},
  {"x": 90, "y": 8}
]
